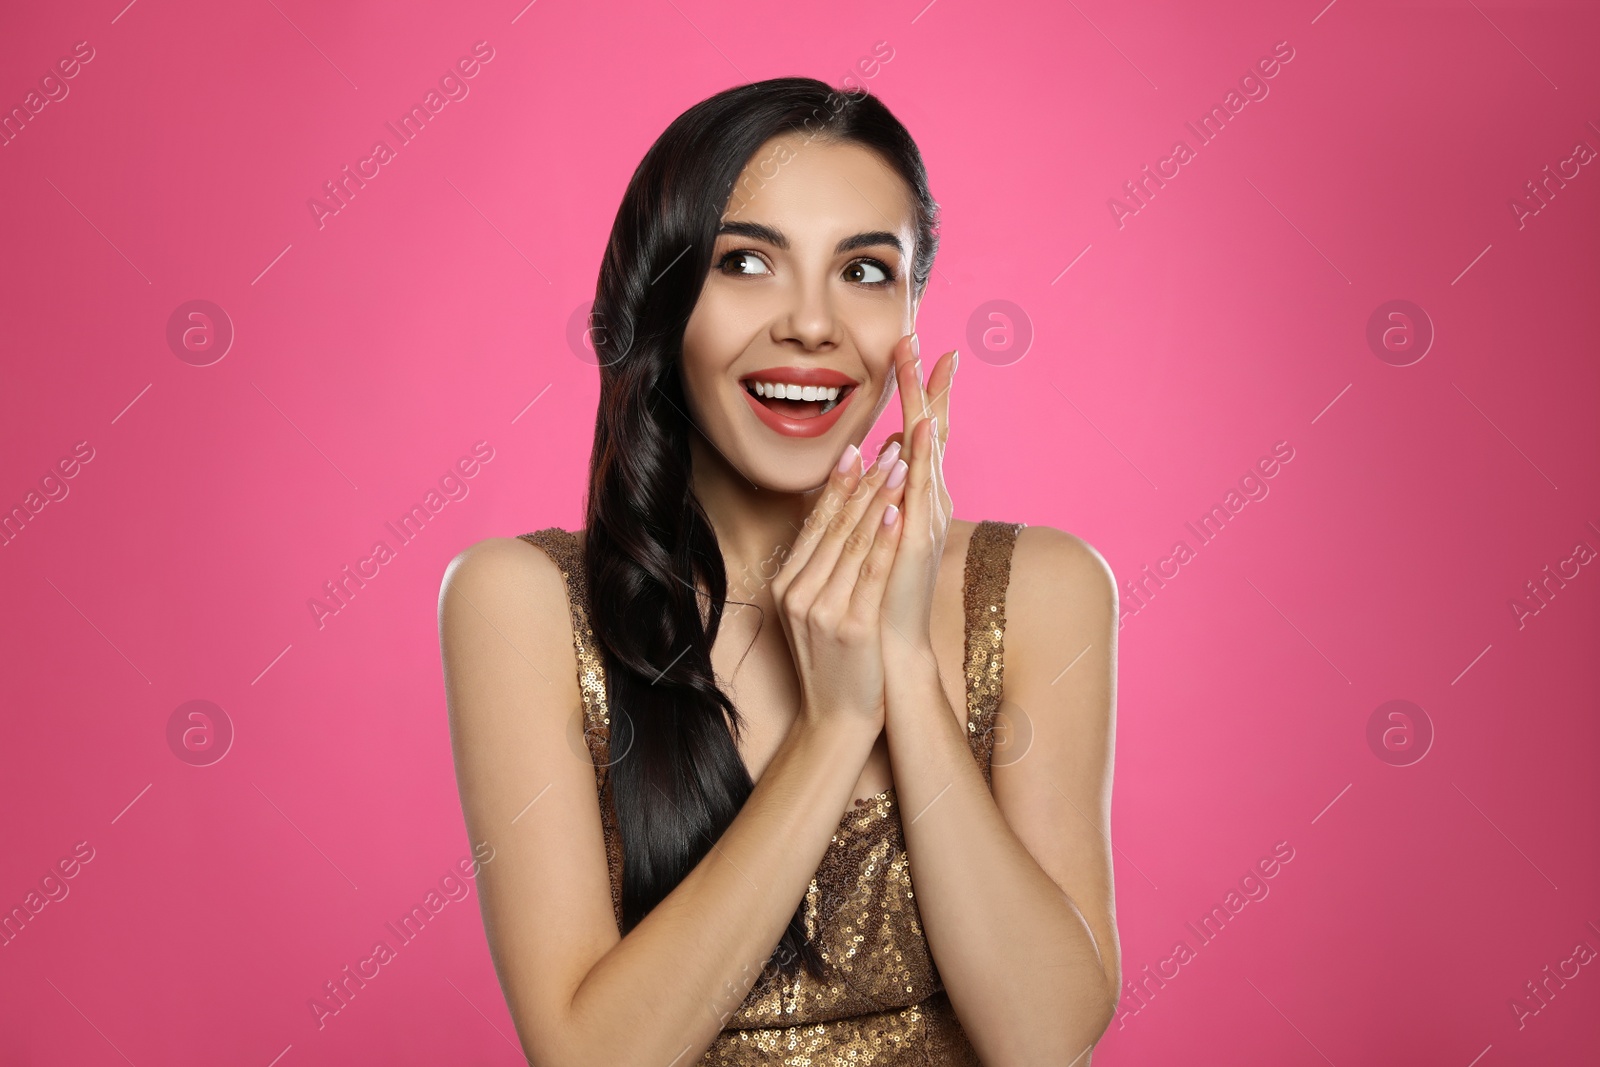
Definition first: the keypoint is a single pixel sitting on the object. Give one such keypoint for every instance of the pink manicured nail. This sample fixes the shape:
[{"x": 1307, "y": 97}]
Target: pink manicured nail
[
  {"x": 897, "y": 475},
  {"x": 889, "y": 514},
  {"x": 890, "y": 454},
  {"x": 846, "y": 460}
]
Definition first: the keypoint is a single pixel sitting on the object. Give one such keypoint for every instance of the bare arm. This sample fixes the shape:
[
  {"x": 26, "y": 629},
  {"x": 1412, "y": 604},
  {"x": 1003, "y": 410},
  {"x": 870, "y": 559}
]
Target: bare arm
[
  {"x": 1033, "y": 972},
  {"x": 1014, "y": 886},
  {"x": 528, "y": 787},
  {"x": 579, "y": 993}
]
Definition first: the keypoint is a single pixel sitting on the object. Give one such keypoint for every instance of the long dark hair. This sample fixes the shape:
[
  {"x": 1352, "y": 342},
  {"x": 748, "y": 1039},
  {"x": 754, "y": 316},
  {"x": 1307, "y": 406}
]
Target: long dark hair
[{"x": 649, "y": 546}]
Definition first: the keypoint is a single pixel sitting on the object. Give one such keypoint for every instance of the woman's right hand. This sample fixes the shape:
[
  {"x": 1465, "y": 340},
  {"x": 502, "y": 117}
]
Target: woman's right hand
[{"x": 830, "y": 588}]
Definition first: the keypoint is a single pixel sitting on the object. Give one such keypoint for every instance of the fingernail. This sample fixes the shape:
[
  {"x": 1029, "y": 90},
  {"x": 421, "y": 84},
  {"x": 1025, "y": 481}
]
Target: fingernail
[
  {"x": 889, "y": 515},
  {"x": 890, "y": 454},
  {"x": 897, "y": 475},
  {"x": 916, "y": 348},
  {"x": 847, "y": 460},
  {"x": 917, "y": 363},
  {"x": 955, "y": 360}
]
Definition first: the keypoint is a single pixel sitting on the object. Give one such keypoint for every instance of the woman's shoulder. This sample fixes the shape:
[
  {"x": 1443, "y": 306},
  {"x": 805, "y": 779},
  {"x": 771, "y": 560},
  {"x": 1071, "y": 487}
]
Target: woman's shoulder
[
  {"x": 1045, "y": 562},
  {"x": 1053, "y": 570},
  {"x": 504, "y": 605},
  {"x": 509, "y": 573},
  {"x": 500, "y": 553}
]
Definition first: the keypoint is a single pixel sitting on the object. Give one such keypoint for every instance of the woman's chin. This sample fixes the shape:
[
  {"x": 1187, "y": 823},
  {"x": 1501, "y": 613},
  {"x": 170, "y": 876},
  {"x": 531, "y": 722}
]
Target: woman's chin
[{"x": 775, "y": 478}]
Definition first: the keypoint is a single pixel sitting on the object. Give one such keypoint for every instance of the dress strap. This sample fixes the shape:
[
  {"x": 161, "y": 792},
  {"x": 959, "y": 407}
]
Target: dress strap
[
  {"x": 984, "y": 584},
  {"x": 563, "y": 547}
]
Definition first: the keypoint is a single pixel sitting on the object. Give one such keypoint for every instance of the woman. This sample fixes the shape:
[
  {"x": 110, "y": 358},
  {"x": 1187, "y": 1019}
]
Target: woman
[{"x": 789, "y": 835}]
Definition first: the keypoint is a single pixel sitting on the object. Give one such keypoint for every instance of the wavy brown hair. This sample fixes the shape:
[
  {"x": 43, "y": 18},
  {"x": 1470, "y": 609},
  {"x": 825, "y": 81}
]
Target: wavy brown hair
[{"x": 656, "y": 582}]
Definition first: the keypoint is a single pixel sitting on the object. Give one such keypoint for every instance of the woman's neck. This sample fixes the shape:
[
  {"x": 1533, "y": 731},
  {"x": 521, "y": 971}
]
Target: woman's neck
[{"x": 755, "y": 527}]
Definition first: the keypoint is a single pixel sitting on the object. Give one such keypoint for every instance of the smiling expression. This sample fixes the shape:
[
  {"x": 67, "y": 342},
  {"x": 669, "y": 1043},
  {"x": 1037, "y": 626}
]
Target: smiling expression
[{"x": 787, "y": 356}]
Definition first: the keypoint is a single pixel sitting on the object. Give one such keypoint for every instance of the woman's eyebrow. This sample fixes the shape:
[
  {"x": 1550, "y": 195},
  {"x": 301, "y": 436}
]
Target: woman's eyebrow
[{"x": 762, "y": 232}]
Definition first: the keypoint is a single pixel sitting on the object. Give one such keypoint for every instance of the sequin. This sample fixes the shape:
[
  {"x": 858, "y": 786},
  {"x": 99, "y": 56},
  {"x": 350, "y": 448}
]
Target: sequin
[{"x": 881, "y": 1002}]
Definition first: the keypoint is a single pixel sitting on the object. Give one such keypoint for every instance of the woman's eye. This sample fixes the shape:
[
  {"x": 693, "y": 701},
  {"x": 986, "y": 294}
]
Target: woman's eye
[
  {"x": 868, "y": 272},
  {"x": 745, "y": 257}
]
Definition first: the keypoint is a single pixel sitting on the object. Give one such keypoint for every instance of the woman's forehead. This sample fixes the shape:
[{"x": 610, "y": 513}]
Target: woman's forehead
[{"x": 831, "y": 187}]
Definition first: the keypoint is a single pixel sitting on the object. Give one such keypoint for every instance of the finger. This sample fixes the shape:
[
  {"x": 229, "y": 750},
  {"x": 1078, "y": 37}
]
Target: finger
[
  {"x": 908, "y": 379},
  {"x": 939, "y": 383},
  {"x": 919, "y": 483},
  {"x": 818, "y": 567},
  {"x": 944, "y": 488},
  {"x": 873, "y": 576},
  {"x": 895, "y": 438},
  {"x": 860, "y": 541},
  {"x": 938, "y": 435},
  {"x": 846, "y": 476}
]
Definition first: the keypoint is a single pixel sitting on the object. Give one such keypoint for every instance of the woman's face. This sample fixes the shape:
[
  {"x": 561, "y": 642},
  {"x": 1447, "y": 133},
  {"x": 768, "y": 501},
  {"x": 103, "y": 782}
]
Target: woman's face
[{"x": 808, "y": 289}]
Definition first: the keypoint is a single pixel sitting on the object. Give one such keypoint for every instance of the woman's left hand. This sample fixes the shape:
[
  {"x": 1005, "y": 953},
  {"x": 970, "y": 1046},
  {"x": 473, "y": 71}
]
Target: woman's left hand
[{"x": 907, "y": 605}]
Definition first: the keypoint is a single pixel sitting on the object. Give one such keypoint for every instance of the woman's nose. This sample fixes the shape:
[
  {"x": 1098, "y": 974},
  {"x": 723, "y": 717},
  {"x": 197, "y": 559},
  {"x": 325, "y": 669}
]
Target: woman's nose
[{"x": 811, "y": 319}]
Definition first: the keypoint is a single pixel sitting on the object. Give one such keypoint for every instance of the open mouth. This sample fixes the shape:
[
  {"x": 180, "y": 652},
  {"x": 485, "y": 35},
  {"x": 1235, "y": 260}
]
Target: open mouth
[{"x": 797, "y": 401}]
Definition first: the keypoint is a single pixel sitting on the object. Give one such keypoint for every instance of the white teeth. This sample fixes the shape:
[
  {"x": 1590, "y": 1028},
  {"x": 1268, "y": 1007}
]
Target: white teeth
[{"x": 785, "y": 391}]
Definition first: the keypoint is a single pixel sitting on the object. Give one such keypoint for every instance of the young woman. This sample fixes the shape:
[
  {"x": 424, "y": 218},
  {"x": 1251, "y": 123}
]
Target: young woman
[{"x": 739, "y": 743}]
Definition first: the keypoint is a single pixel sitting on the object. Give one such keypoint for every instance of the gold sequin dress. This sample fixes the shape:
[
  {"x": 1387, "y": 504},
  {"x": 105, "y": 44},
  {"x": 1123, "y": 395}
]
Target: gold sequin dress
[{"x": 881, "y": 1003}]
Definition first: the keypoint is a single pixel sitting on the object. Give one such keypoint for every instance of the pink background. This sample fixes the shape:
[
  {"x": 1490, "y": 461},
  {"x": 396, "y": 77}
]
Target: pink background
[{"x": 1229, "y": 313}]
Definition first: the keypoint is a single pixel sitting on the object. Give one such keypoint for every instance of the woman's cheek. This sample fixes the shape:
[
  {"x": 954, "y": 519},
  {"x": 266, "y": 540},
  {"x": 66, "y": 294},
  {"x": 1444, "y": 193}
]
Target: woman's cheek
[{"x": 702, "y": 406}]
